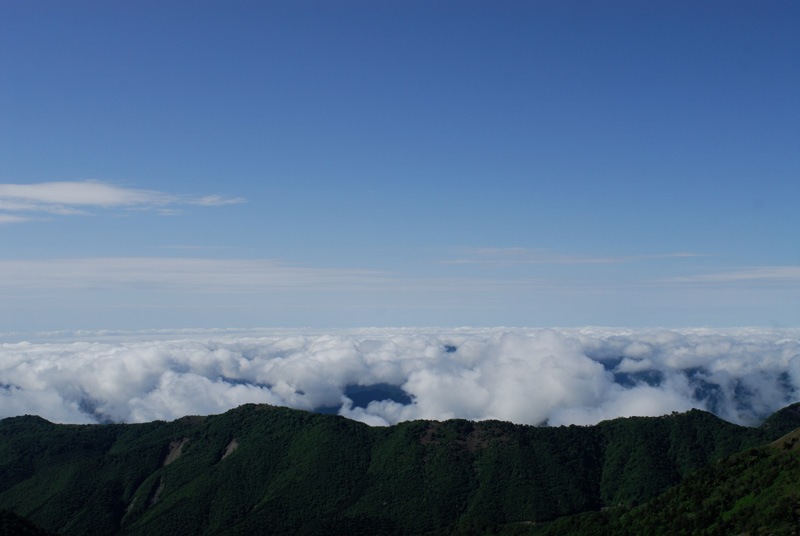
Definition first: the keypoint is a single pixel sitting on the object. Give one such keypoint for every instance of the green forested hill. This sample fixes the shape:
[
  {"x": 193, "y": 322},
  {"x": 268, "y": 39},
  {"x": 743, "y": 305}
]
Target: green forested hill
[
  {"x": 754, "y": 492},
  {"x": 269, "y": 470},
  {"x": 13, "y": 525}
]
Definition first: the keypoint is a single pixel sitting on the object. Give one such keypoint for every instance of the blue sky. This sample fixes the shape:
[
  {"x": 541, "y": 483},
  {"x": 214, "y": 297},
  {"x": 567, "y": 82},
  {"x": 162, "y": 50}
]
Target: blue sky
[{"x": 343, "y": 164}]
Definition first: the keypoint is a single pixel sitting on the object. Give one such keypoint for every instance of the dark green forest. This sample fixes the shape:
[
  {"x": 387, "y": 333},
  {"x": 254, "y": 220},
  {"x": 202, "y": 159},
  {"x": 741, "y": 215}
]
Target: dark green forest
[
  {"x": 753, "y": 492},
  {"x": 261, "y": 469}
]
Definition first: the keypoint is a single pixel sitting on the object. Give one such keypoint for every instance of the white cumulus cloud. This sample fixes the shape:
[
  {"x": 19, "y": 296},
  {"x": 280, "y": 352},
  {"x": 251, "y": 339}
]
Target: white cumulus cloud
[{"x": 531, "y": 376}]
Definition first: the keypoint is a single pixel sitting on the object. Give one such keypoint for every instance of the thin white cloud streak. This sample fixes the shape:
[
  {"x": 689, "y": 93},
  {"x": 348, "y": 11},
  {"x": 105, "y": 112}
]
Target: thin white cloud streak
[
  {"x": 531, "y": 376},
  {"x": 72, "y": 197},
  {"x": 194, "y": 247},
  {"x": 177, "y": 274},
  {"x": 758, "y": 273},
  {"x": 508, "y": 256},
  {"x": 57, "y": 209},
  {"x": 180, "y": 275},
  {"x": 214, "y": 201},
  {"x": 10, "y": 218},
  {"x": 86, "y": 193}
]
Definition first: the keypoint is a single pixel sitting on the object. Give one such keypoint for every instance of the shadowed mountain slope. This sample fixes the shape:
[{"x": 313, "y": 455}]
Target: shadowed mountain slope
[{"x": 13, "y": 525}]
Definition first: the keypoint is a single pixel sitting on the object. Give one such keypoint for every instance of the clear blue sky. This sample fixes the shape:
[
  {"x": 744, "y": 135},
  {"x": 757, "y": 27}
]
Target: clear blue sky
[{"x": 343, "y": 163}]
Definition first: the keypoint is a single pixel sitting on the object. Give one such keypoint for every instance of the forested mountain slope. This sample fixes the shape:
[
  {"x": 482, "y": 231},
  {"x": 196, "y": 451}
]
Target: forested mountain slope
[
  {"x": 753, "y": 492},
  {"x": 13, "y": 525},
  {"x": 272, "y": 470}
]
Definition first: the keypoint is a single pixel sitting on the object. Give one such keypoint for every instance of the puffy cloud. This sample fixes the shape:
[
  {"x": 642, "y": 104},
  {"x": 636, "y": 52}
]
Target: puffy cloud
[
  {"x": 192, "y": 394},
  {"x": 564, "y": 376}
]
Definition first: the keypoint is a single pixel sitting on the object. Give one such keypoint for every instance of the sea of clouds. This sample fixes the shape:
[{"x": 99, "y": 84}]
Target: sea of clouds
[{"x": 527, "y": 376}]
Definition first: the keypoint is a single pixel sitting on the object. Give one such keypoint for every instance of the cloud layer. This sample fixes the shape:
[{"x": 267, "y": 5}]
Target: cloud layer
[{"x": 525, "y": 376}]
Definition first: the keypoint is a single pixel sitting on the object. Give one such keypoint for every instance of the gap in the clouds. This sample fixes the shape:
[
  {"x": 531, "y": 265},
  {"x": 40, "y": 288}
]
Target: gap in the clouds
[
  {"x": 608, "y": 364},
  {"x": 785, "y": 383},
  {"x": 653, "y": 378},
  {"x": 89, "y": 406},
  {"x": 711, "y": 394},
  {"x": 362, "y": 395},
  {"x": 237, "y": 381}
]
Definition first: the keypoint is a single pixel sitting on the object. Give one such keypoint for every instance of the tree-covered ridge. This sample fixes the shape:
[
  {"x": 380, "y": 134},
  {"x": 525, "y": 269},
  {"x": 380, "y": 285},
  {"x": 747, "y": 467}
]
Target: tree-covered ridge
[
  {"x": 13, "y": 525},
  {"x": 264, "y": 469},
  {"x": 753, "y": 492}
]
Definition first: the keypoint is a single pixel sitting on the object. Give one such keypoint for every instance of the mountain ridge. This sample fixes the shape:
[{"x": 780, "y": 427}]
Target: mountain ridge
[{"x": 298, "y": 472}]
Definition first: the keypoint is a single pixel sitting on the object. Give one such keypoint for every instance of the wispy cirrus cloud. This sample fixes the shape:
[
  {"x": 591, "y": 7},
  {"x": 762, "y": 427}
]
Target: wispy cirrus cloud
[
  {"x": 193, "y": 247},
  {"x": 12, "y": 218},
  {"x": 67, "y": 198},
  {"x": 231, "y": 275},
  {"x": 213, "y": 201},
  {"x": 507, "y": 256},
  {"x": 757, "y": 273},
  {"x": 181, "y": 275}
]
